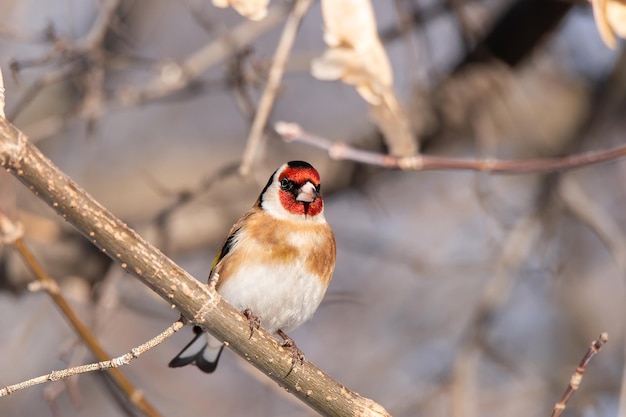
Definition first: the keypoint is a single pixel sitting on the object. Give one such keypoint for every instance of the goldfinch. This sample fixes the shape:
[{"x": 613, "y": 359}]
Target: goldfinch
[{"x": 276, "y": 263}]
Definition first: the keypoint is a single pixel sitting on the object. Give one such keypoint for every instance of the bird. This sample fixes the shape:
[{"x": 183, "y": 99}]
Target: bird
[{"x": 275, "y": 265}]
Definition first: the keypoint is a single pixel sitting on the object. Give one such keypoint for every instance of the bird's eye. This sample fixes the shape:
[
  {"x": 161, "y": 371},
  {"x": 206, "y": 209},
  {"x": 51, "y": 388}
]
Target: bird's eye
[
  {"x": 318, "y": 187},
  {"x": 286, "y": 184}
]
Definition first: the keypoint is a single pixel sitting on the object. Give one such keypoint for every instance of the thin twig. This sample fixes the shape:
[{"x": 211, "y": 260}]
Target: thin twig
[
  {"x": 275, "y": 76},
  {"x": 577, "y": 377},
  {"x": 593, "y": 215},
  {"x": 98, "y": 366},
  {"x": 292, "y": 132},
  {"x": 10, "y": 233}
]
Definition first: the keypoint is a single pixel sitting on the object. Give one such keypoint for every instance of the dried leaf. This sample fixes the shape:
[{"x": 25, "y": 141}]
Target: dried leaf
[
  {"x": 357, "y": 57},
  {"x": 610, "y": 17},
  {"x": 616, "y": 13},
  {"x": 251, "y": 9},
  {"x": 347, "y": 65},
  {"x": 351, "y": 33},
  {"x": 395, "y": 126}
]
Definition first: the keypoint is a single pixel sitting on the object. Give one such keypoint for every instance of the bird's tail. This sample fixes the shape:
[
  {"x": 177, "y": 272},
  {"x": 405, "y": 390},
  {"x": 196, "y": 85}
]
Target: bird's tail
[{"x": 204, "y": 353}]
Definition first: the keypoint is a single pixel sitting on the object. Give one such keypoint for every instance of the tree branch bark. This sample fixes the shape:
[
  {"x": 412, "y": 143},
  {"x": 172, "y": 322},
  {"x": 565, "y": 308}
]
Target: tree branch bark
[{"x": 196, "y": 302}]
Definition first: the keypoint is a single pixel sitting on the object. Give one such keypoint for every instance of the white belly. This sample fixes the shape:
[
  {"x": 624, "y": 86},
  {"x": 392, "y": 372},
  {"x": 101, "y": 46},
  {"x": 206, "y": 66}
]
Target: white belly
[{"x": 283, "y": 298}]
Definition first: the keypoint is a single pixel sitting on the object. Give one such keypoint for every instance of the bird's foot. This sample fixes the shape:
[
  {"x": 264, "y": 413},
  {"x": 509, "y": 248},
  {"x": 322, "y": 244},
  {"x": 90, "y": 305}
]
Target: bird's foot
[
  {"x": 254, "y": 321},
  {"x": 289, "y": 343}
]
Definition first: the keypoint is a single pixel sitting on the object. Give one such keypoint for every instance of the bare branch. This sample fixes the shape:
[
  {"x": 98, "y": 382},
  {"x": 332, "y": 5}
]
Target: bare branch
[
  {"x": 292, "y": 132},
  {"x": 577, "y": 377},
  {"x": 98, "y": 366}
]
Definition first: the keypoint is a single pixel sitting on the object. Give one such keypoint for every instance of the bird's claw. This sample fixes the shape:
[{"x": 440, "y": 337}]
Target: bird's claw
[
  {"x": 254, "y": 321},
  {"x": 296, "y": 353}
]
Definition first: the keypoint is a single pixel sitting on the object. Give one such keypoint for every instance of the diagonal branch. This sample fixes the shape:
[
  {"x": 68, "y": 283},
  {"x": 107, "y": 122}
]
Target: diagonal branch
[{"x": 197, "y": 303}]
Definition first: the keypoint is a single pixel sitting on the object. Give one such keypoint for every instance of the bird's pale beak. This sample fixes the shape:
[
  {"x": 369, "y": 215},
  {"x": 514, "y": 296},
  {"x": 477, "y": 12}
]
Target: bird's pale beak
[{"x": 307, "y": 193}]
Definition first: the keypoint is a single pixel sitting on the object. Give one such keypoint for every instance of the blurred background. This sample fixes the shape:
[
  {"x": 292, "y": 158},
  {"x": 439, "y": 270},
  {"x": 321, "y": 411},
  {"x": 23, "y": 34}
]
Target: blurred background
[{"x": 455, "y": 293}]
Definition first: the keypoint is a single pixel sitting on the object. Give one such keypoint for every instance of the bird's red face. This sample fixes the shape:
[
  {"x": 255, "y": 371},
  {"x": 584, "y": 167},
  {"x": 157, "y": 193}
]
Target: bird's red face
[
  {"x": 299, "y": 192},
  {"x": 293, "y": 193}
]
